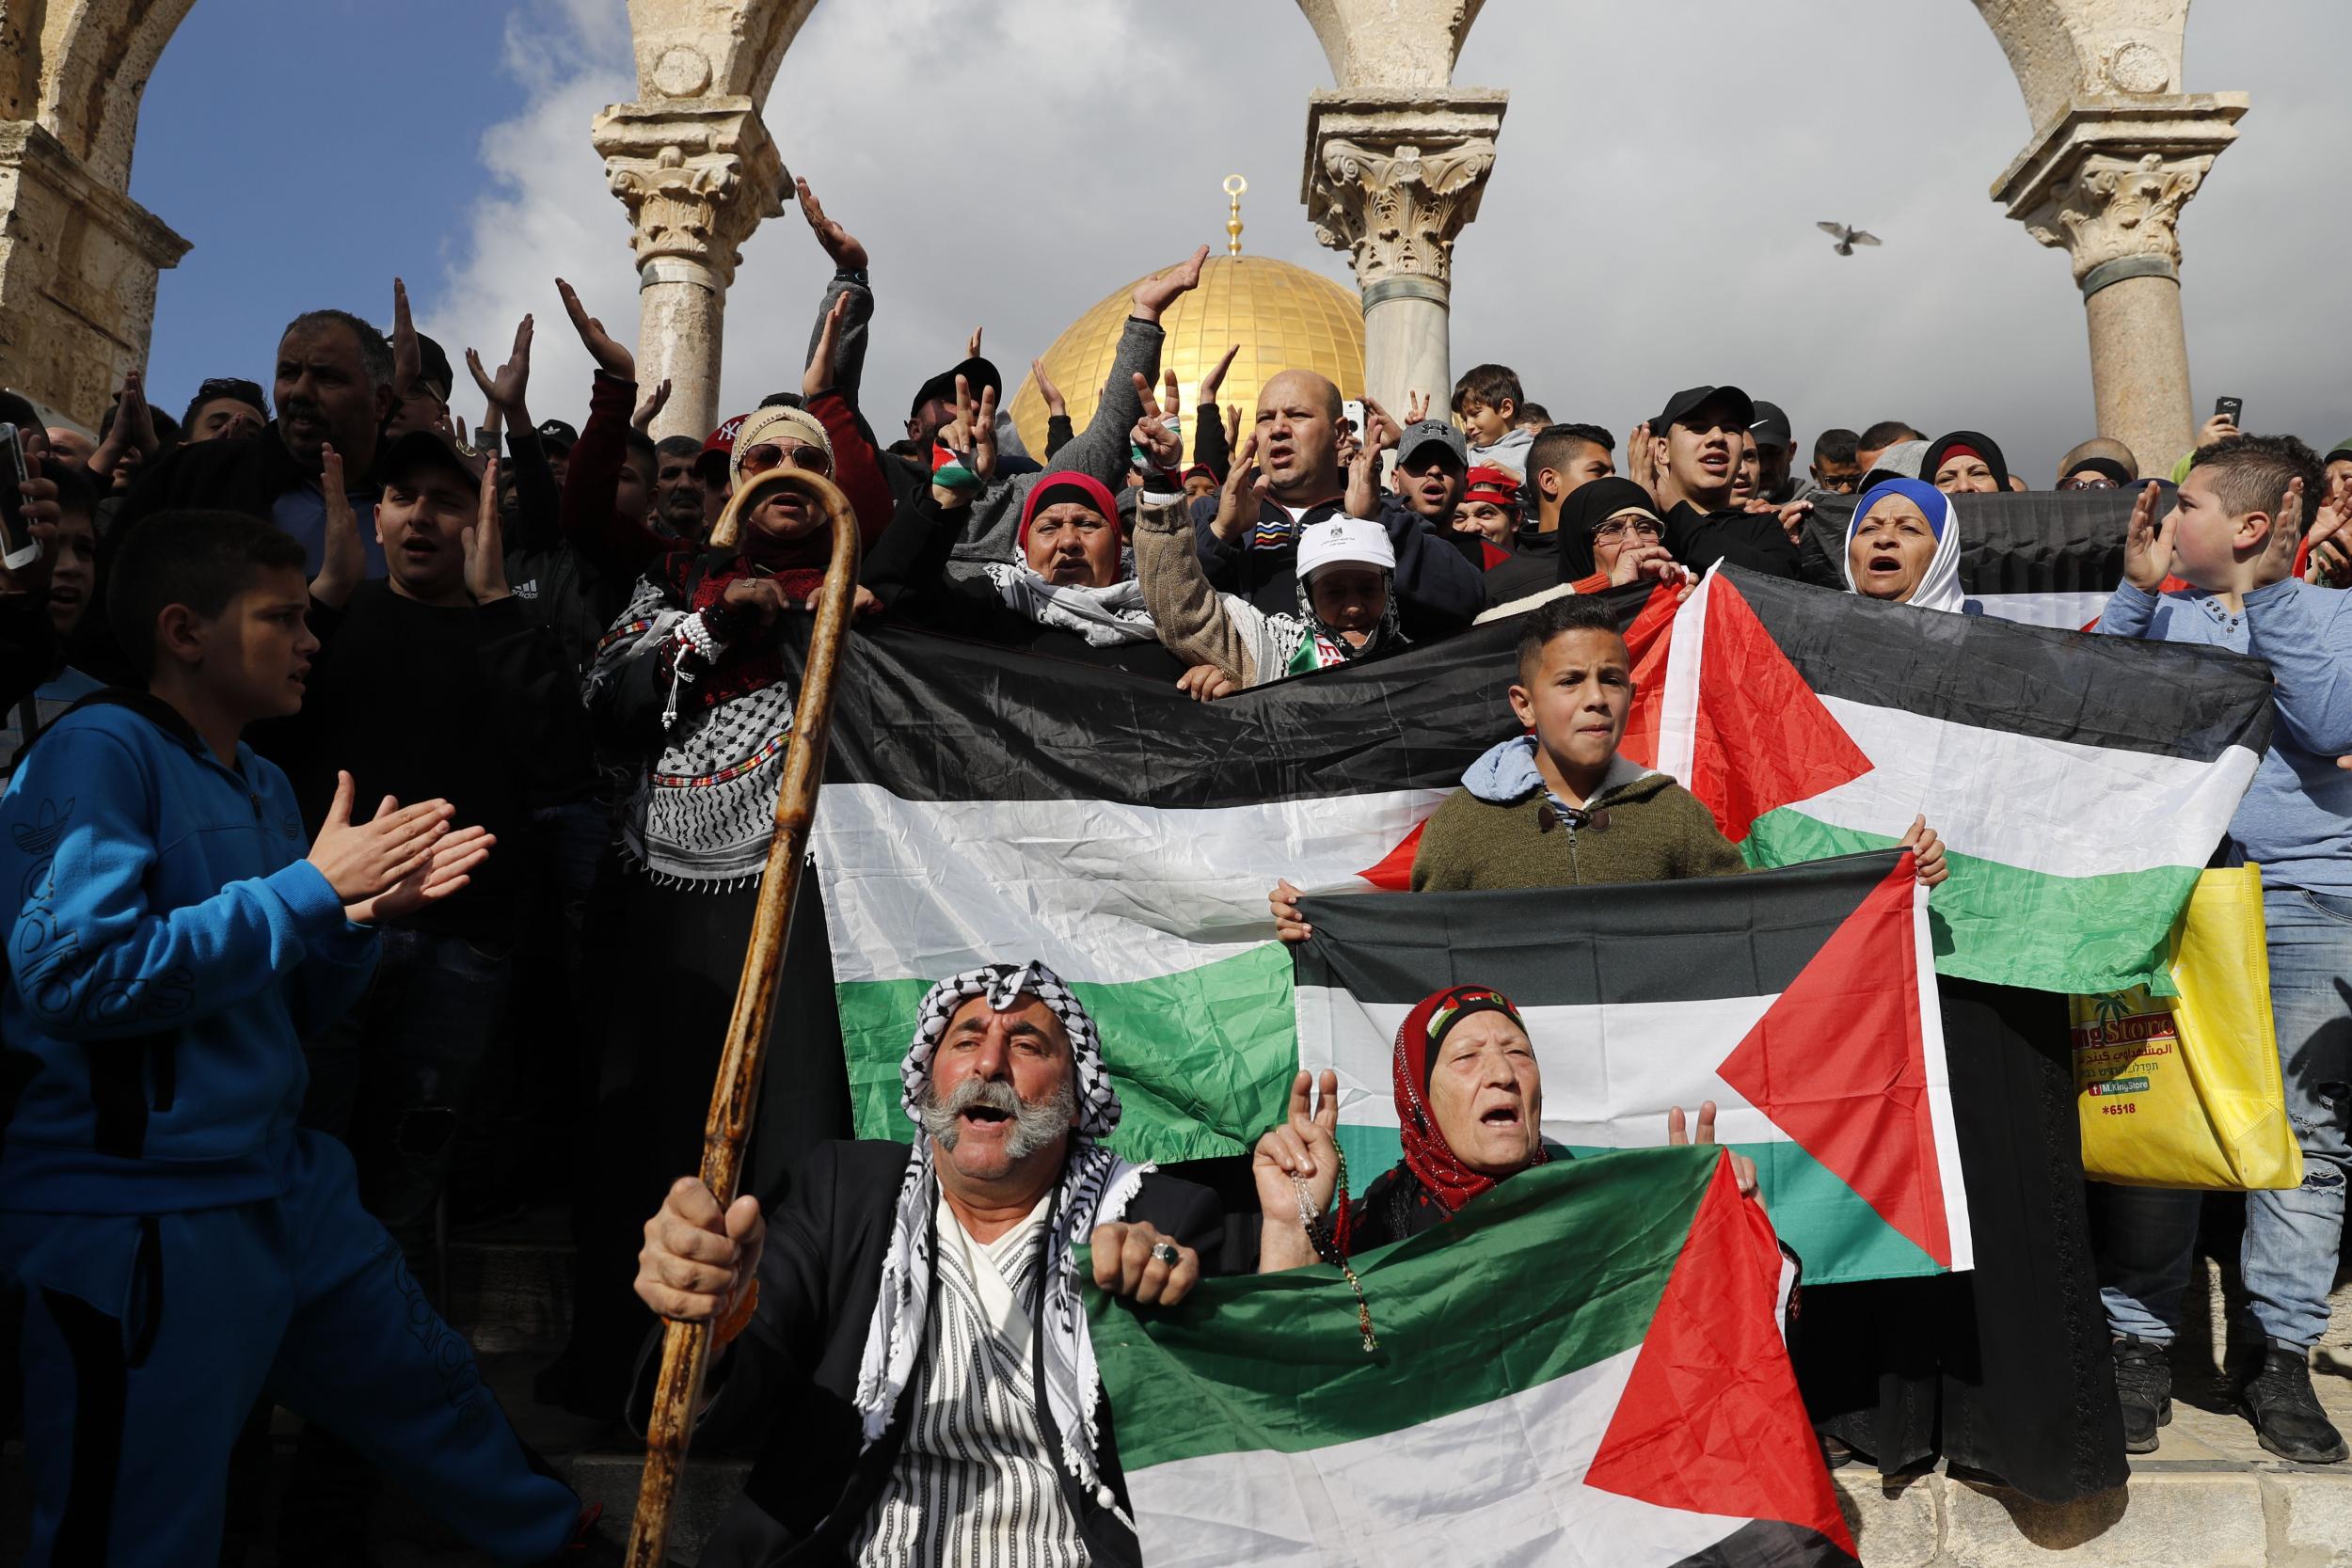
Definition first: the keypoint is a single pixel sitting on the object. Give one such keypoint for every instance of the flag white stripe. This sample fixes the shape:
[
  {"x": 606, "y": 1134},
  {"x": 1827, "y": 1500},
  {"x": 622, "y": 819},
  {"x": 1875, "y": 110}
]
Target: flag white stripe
[
  {"x": 2066, "y": 612},
  {"x": 1101, "y": 892},
  {"x": 1678, "y": 702},
  {"x": 2057, "y": 807},
  {"x": 1939, "y": 1078},
  {"x": 1410, "y": 1497}
]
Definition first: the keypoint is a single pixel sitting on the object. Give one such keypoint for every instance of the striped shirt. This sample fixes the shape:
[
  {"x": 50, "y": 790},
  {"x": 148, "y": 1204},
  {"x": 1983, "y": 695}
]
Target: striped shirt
[{"x": 974, "y": 1483}]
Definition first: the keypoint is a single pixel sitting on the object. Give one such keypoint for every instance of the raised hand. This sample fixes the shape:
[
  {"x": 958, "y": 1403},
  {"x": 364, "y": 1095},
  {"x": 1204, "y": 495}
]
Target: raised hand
[
  {"x": 1641, "y": 458},
  {"x": 2147, "y": 542},
  {"x": 847, "y": 255},
  {"x": 1055, "y": 406},
  {"x": 408, "y": 358},
  {"x": 1927, "y": 852},
  {"x": 1644, "y": 560},
  {"x": 2219, "y": 428},
  {"x": 972, "y": 344},
  {"x": 2286, "y": 534},
  {"x": 343, "y": 559},
  {"x": 1303, "y": 1150},
  {"x": 2331, "y": 546},
  {"x": 1216, "y": 378},
  {"x": 698, "y": 1262},
  {"x": 1161, "y": 447},
  {"x": 485, "y": 544},
  {"x": 446, "y": 871},
  {"x": 656, "y": 401},
  {"x": 1161, "y": 290},
  {"x": 1381, "y": 431},
  {"x": 1232, "y": 424},
  {"x": 505, "y": 391},
  {"x": 610, "y": 357},
  {"x": 1416, "y": 405},
  {"x": 972, "y": 437},
  {"x": 1742, "y": 1168},
  {"x": 1238, "y": 499},
  {"x": 1364, "y": 475},
  {"x": 816, "y": 376},
  {"x": 361, "y": 860},
  {"x": 133, "y": 431}
]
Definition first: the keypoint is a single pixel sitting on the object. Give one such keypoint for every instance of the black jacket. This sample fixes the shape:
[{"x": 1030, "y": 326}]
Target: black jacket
[
  {"x": 1751, "y": 539},
  {"x": 908, "y": 572},
  {"x": 797, "y": 1363}
]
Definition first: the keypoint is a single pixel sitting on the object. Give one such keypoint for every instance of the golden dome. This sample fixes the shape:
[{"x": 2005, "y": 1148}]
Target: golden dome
[{"x": 1283, "y": 316}]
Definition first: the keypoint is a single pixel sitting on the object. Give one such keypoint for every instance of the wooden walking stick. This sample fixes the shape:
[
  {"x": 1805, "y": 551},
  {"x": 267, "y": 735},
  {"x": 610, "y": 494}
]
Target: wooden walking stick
[{"x": 686, "y": 1347}]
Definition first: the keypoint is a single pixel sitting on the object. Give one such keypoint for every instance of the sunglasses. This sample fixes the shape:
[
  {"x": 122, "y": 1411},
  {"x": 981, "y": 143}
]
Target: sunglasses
[
  {"x": 2092, "y": 481},
  {"x": 770, "y": 454}
]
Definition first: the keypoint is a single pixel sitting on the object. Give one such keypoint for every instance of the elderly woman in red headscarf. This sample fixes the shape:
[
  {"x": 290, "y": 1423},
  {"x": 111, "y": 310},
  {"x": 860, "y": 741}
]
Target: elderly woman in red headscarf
[{"x": 1470, "y": 1103}]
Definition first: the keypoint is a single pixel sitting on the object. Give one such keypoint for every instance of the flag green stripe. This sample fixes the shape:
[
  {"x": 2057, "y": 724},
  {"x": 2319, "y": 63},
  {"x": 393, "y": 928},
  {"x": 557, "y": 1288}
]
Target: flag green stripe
[
  {"x": 1203, "y": 1058},
  {"x": 1840, "y": 1238},
  {"x": 1993, "y": 922},
  {"x": 1275, "y": 1363}
]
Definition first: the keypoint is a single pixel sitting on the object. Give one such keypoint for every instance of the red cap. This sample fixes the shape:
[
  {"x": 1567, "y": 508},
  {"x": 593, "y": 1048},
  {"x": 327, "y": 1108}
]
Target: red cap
[
  {"x": 1496, "y": 486},
  {"x": 723, "y": 438}
]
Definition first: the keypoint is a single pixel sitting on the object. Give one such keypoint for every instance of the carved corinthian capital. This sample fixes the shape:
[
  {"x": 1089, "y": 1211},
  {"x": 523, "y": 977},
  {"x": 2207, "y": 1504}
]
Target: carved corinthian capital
[
  {"x": 696, "y": 178},
  {"x": 1393, "y": 179},
  {"x": 2108, "y": 179}
]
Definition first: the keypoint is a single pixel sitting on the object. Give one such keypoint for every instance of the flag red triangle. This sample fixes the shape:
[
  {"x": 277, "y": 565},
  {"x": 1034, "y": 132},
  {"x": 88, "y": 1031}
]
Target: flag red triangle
[
  {"x": 1394, "y": 874},
  {"x": 1710, "y": 1419},
  {"x": 1839, "y": 1064},
  {"x": 1765, "y": 740}
]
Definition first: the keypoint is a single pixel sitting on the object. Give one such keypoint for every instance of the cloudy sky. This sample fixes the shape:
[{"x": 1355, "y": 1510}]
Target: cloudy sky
[{"x": 1649, "y": 223}]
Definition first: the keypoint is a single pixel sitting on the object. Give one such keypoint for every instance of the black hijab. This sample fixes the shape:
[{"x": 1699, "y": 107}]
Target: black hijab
[
  {"x": 1588, "y": 506},
  {"x": 1976, "y": 442}
]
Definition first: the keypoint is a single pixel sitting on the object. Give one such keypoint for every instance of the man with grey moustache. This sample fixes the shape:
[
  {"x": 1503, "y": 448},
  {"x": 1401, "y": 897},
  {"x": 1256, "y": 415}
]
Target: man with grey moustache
[{"x": 912, "y": 1320}]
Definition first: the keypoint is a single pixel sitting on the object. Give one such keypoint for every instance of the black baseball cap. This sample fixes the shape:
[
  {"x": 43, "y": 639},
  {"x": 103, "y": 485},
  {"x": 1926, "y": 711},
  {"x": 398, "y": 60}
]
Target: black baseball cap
[
  {"x": 1691, "y": 398},
  {"x": 420, "y": 452},
  {"x": 555, "y": 433},
  {"x": 977, "y": 373},
  {"x": 1771, "y": 426},
  {"x": 1421, "y": 433}
]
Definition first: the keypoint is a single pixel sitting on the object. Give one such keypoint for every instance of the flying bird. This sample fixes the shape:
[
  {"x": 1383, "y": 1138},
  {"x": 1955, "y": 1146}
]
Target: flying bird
[{"x": 1847, "y": 238}]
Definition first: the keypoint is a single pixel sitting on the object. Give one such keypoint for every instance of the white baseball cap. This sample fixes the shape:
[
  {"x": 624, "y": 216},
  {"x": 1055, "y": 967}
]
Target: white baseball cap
[{"x": 1344, "y": 541}]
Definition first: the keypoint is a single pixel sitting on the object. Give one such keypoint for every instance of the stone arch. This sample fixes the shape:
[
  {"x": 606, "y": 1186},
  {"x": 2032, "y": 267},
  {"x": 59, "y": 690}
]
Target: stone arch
[
  {"x": 1391, "y": 44},
  {"x": 712, "y": 48},
  {"x": 78, "y": 257},
  {"x": 2064, "y": 49}
]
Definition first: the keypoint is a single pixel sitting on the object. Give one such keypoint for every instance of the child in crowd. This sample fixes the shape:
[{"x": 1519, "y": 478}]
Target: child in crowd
[
  {"x": 1487, "y": 400},
  {"x": 73, "y": 558},
  {"x": 2232, "y": 534},
  {"x": 181, "y": 1245},
  {"x": 1558, "y": 806}
]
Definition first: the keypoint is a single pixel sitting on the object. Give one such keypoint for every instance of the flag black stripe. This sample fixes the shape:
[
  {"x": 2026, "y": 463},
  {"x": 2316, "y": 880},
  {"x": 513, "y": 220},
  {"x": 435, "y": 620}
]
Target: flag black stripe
[
  {"x": 2046, "y": 542},
  {"x": 1689, "y": 941},
  {"x": 1770, "y": 1543},
  {"x": 943, "y": 718},
  {"x": 2160, "y": 699}
]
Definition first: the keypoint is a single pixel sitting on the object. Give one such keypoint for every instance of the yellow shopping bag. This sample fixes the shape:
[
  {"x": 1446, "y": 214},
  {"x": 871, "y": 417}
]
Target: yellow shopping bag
[{"x": 2183, "y": 1091}]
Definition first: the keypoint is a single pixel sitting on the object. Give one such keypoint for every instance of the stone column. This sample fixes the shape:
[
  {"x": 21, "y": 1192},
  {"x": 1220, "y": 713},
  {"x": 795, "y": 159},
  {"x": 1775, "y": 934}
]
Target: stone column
[
  {"x": 696, "y": 177},
  {"x": 2106, "y": 180},
  {"x": 1391, "y": 176},
  {"x": 78, "y": 265}
]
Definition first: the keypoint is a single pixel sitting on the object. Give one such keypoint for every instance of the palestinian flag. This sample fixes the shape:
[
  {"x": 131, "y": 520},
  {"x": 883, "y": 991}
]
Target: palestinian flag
[
  {"x": 1801, "y": 1002},
  {"x": 2080, "y": 782},
  {"x": 982, "y": 803},
  {"x": 2046, "y": 558},
  {"x": 1583, "y": 1367}
]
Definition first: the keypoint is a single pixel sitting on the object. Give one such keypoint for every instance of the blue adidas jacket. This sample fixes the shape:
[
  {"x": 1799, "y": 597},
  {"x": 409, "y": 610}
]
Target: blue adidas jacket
[{"x": 168, "y": 949}]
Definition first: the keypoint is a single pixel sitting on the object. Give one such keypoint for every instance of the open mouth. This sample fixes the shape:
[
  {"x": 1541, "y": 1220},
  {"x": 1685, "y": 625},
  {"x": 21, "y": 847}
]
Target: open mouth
[
  {"x": 983, "y": 1116},
  {"x": 62, "y": 593},
  {"x": 1502, "y": 1115},
  {"x": 1885, "y": 564}
]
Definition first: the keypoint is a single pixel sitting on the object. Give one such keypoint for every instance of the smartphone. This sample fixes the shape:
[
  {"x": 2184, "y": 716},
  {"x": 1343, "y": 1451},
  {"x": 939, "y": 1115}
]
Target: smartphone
[
  {"x": 1352, "y": 412},
  {"x": 2231, "y": 406},
  {"x": 18, "y": 547}
]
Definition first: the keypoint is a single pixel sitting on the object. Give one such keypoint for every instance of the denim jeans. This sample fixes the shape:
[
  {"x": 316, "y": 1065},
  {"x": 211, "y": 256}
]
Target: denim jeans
[
  {"x": 2289, "y": 1259},
  {"x": 395, "y": 1080}
]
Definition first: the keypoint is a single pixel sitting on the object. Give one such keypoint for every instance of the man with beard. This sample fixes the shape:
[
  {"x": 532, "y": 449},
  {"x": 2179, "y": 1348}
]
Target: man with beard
[
  {"x": 680, "y": 509},
  {"x": 911, "y": 1319}
]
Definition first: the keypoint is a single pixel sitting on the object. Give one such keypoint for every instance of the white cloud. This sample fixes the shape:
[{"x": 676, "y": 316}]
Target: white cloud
[{"x": 1649, "y": 224}]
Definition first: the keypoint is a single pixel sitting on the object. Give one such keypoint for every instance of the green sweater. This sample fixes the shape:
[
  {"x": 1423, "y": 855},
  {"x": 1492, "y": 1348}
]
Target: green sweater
[{"x": 1656, "y": 831}]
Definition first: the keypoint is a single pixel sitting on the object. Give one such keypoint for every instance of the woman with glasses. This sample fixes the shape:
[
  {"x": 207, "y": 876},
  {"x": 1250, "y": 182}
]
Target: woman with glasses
[{"x": 1608, "y": 529}]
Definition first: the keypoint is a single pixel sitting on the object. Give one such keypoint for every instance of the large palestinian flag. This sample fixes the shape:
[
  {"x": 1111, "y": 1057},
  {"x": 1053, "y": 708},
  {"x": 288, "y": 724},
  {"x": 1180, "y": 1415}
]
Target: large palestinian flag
[
  {"x": 1801, "y": 1002},
  {"x": 2080, "y": 782},
  {"x": 1584, "y": 1367}
]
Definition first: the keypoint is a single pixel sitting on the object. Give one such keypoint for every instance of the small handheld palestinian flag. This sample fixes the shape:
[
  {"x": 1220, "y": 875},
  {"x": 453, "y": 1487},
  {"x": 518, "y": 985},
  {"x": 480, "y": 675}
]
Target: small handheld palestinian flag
[{"x": 1584, "y": 1365}]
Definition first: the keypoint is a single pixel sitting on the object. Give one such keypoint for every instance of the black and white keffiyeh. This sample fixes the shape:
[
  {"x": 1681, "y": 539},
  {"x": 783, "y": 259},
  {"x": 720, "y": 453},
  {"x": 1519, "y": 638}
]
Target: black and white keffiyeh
[
  {"x": 1106, "y": 617},
  {"x": 1096, "y": 1187}
]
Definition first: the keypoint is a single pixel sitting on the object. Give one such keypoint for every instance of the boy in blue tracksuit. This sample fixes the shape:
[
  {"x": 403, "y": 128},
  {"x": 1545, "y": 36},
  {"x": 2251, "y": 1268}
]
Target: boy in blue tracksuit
[
  {"x": 2232, "y": 534},
  {"x": 182, "y": 1246}
]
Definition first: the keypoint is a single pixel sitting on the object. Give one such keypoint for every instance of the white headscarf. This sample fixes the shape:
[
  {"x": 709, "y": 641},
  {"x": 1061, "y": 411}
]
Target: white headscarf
[{"x": 1939, "y": 586}]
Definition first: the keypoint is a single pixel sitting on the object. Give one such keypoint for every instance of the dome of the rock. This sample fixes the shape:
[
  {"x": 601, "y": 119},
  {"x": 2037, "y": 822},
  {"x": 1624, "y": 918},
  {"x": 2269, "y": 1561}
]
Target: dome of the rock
[{"x": 1283, "y": 315}]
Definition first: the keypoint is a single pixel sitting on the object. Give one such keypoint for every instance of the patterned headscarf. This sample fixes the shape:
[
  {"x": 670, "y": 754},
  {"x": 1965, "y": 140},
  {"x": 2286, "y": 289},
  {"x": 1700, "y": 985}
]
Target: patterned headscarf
[
  {"x": 1096, "y": 1187},
  {"x": 1427, "y": 1155}
]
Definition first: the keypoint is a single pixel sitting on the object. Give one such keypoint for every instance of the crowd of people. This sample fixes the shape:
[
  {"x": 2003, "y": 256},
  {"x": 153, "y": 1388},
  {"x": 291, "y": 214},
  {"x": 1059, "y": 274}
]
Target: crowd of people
[{"x": 388, "y": 802}]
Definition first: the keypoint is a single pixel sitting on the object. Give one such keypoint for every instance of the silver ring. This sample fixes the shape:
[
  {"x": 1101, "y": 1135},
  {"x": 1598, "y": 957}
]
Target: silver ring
[{"x": 1166, "y": 1252}]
